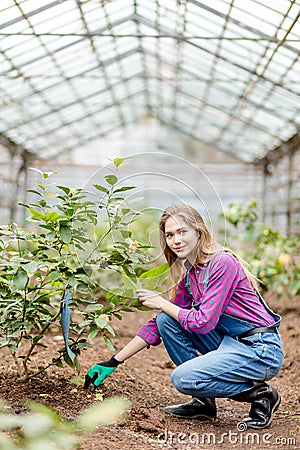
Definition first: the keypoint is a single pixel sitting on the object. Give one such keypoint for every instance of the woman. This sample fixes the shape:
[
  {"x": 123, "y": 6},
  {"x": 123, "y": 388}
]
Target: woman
[{"x": 218, "y": 330}]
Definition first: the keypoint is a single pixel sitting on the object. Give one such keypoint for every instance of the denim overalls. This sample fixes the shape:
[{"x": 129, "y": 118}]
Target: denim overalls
[{"x": 227, "y": 365}]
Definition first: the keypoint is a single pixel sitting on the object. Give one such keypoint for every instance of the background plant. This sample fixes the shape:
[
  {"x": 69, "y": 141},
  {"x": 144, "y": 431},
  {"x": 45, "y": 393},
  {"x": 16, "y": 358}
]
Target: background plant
[
  {"x": 62, "y": 255},
  {"x": 43, "y": 428},
  {"x": 272, "y": 256}
]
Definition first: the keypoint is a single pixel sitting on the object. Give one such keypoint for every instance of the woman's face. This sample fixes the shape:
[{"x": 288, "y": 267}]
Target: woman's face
[{"x": 181, "y": 238}]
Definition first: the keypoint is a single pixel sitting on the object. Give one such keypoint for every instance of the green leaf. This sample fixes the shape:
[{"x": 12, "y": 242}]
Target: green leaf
[
  {"x": 109, "y": 344},
  {"x": 101, "y": 322},
  {"x": 35, "y": 192},
  {"x": 54, "y": 276},
  {"x": 20, "y": 279},
  {"x": 57, "y": 362},
  {"x": 111, "y": 179},
  {"x": 102, "y": 413},
  {"x": 65, "y": 234},
  {"x": 36, "y": 214},
  {"x": 68, "y": 360},
  {"x": 126, "y": 233},
  {"x": 36, "y": 170},
  {"x": 42, "y": 203},
  {"x": 94, "y": 307},
  {"x": 83, "y": 288},
  {"x": 101, "y": 188},
  {"x": 71, "y": 280},
  {"x": 26, "y": 205},
  {"x": 295, "y": 287},
  {"x": 131, "y": 283},
  {"x": 77, "y": 381},
  {"x": 51, "y": 216},
  {"x": 155, "y": 271},
  {"x": 65, "y": 189},
  {"x": 92, "y": 334},
  {"x": 124, "y": 188},
  {"x": 77, "y": 364},
  {"x": 48, "y": 174},
  {"x": 118, "y": 161}
]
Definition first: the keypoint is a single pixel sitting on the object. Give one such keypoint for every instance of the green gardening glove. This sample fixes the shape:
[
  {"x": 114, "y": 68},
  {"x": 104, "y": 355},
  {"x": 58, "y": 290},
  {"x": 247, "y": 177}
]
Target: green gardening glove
[{"x": 99, "y": 372}]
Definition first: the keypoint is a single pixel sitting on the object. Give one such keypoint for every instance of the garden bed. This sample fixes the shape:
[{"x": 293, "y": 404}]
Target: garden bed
[{"x": 145, "y": 380}]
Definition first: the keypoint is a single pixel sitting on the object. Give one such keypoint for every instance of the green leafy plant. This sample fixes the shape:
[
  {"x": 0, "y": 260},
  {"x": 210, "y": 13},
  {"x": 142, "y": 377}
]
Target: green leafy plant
[
  {"x": 273, "y": 257},
  {"x": 43, "y": 428},
  {"x": 156, "y": 279},
  {"x": 60, "y": 257}
]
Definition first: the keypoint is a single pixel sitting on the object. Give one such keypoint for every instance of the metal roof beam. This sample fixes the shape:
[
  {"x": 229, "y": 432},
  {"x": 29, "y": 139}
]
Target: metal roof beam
[
  {"x": 77, "y": 41},
  {"x": 222, "y": 58},
  {"x": 259, "y": 71},
  {"x": 13, "y": 147},
  {"x": 285, "y": 148},
  {"x": 74, "y": 102},
  {"x": 241, "y": 24},
  {"x": 87, "y": 115},
  {"x": 29, "y": 14}
]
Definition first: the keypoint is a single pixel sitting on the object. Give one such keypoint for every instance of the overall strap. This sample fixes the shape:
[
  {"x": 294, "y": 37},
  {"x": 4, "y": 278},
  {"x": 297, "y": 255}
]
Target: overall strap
[
  {"x": 275, "y": 316},
  {"x": 188, "y": 280}
]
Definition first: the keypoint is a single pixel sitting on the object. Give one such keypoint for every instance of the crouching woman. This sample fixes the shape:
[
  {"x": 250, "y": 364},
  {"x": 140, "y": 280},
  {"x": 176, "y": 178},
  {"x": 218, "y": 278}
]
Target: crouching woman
[{"x": 218, "y": 330}]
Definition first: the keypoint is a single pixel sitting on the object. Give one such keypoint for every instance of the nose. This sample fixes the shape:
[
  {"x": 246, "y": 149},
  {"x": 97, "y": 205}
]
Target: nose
[{"x": 177, "y": 238}]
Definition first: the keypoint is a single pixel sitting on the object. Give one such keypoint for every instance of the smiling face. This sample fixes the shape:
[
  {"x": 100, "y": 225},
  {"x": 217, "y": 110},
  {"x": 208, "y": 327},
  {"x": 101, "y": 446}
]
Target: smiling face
[{"x": 181, "y": 238}]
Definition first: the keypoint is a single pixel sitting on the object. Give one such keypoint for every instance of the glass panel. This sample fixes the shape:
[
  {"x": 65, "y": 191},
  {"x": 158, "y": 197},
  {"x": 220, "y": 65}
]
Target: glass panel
[{"x": 55, "y": 77}]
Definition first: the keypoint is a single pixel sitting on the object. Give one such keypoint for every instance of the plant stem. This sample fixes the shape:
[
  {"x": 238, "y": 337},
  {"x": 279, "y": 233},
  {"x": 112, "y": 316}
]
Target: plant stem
[{"x": 15, "y": 358}]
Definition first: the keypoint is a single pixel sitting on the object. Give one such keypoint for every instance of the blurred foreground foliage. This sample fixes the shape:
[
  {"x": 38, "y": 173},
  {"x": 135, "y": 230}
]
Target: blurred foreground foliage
[{"x": 42, "y": 428}]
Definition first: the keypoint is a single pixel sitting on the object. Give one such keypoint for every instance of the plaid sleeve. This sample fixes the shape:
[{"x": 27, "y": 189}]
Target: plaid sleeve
[{"x": 149, "y": 333}]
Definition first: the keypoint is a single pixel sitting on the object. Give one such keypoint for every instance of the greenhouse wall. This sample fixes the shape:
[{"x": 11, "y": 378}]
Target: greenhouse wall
[
  {"x": 282, "y": 193},
  {"x": 165, "y": 166}
]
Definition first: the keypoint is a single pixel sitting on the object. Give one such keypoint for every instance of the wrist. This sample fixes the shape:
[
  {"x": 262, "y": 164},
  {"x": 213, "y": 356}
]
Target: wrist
[
  {"x": 163, "y": 304},
  {"x": 116, "y": 361}
]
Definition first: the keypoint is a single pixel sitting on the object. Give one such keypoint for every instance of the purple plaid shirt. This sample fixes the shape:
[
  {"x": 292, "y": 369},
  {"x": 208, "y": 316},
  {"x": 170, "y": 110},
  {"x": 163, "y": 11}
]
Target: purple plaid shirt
[{"x": 227, "y": 291}]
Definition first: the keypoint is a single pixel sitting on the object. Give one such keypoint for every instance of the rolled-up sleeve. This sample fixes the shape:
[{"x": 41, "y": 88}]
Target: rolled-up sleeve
[{"x": 150, "y": 333}]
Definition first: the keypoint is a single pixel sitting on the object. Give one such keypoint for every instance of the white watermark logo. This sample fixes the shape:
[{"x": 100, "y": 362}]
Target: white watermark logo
[
  {"x": 231, "y": 437},
  {"x": 241, "y": 426}
]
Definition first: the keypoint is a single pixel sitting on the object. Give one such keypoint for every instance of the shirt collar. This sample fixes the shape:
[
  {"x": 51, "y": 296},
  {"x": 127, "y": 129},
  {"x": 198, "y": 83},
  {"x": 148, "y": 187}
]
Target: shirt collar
[{"x": 188, "y": 266}]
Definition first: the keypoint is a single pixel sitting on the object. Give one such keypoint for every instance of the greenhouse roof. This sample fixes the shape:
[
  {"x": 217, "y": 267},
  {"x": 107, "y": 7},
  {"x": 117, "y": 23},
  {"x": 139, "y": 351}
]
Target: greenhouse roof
[{"x": 225, "y": 73}]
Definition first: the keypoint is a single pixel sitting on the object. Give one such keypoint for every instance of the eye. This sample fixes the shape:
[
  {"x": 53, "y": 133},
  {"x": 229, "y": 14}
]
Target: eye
[
  {"x": 183, "y": 232},
  {"x": 169, "y": 235}
]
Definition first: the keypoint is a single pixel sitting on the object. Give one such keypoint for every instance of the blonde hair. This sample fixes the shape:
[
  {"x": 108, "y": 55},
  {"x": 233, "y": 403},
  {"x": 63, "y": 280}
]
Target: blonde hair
[{"x": 207, "y": 247}]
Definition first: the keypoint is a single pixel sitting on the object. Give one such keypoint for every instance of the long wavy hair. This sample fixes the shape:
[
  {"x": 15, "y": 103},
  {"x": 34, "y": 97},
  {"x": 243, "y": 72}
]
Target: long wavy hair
[{"x": 206, "y": 248}]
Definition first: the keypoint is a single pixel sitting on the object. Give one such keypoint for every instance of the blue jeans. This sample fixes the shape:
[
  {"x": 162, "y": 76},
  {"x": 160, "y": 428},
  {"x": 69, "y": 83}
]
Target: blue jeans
[{"x": 226, "y": 367}]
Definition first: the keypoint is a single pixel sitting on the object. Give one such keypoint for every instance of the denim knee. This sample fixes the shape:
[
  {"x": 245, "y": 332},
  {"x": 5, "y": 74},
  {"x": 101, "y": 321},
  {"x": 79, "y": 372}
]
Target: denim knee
[
  {"x": 176, "y": 379},
  {"x": 179, "y": 382},
  {"x": 162, "y": 319},
  {"x": 183, "y": 384}
]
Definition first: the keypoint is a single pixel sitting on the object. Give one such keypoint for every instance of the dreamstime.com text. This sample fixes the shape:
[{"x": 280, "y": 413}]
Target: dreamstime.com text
[{"x": 231, "y": 437}]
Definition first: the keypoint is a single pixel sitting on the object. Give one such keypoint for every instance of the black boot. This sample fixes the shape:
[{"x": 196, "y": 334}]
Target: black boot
[
  {"x": 197, "y": 408},
  {"x": 265, "y": 401}
]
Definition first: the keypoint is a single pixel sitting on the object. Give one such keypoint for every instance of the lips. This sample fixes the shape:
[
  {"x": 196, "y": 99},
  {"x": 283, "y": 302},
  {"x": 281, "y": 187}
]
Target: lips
[{"x": 178, "y": 249}]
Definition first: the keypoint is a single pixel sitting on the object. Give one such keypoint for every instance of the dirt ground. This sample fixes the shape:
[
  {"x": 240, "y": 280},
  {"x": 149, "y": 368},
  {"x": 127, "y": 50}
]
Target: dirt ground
[{"x": 145, "y": 380}]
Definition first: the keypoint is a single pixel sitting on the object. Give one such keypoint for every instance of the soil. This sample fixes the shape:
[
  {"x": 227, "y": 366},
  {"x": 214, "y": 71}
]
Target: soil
[{"x": 145, "y": 381}]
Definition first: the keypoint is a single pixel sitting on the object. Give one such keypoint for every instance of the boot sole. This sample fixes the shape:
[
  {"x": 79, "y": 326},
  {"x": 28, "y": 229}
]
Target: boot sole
[
  {"x": 274, "y": 409},
  {"x": 195, "y": 416}
]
